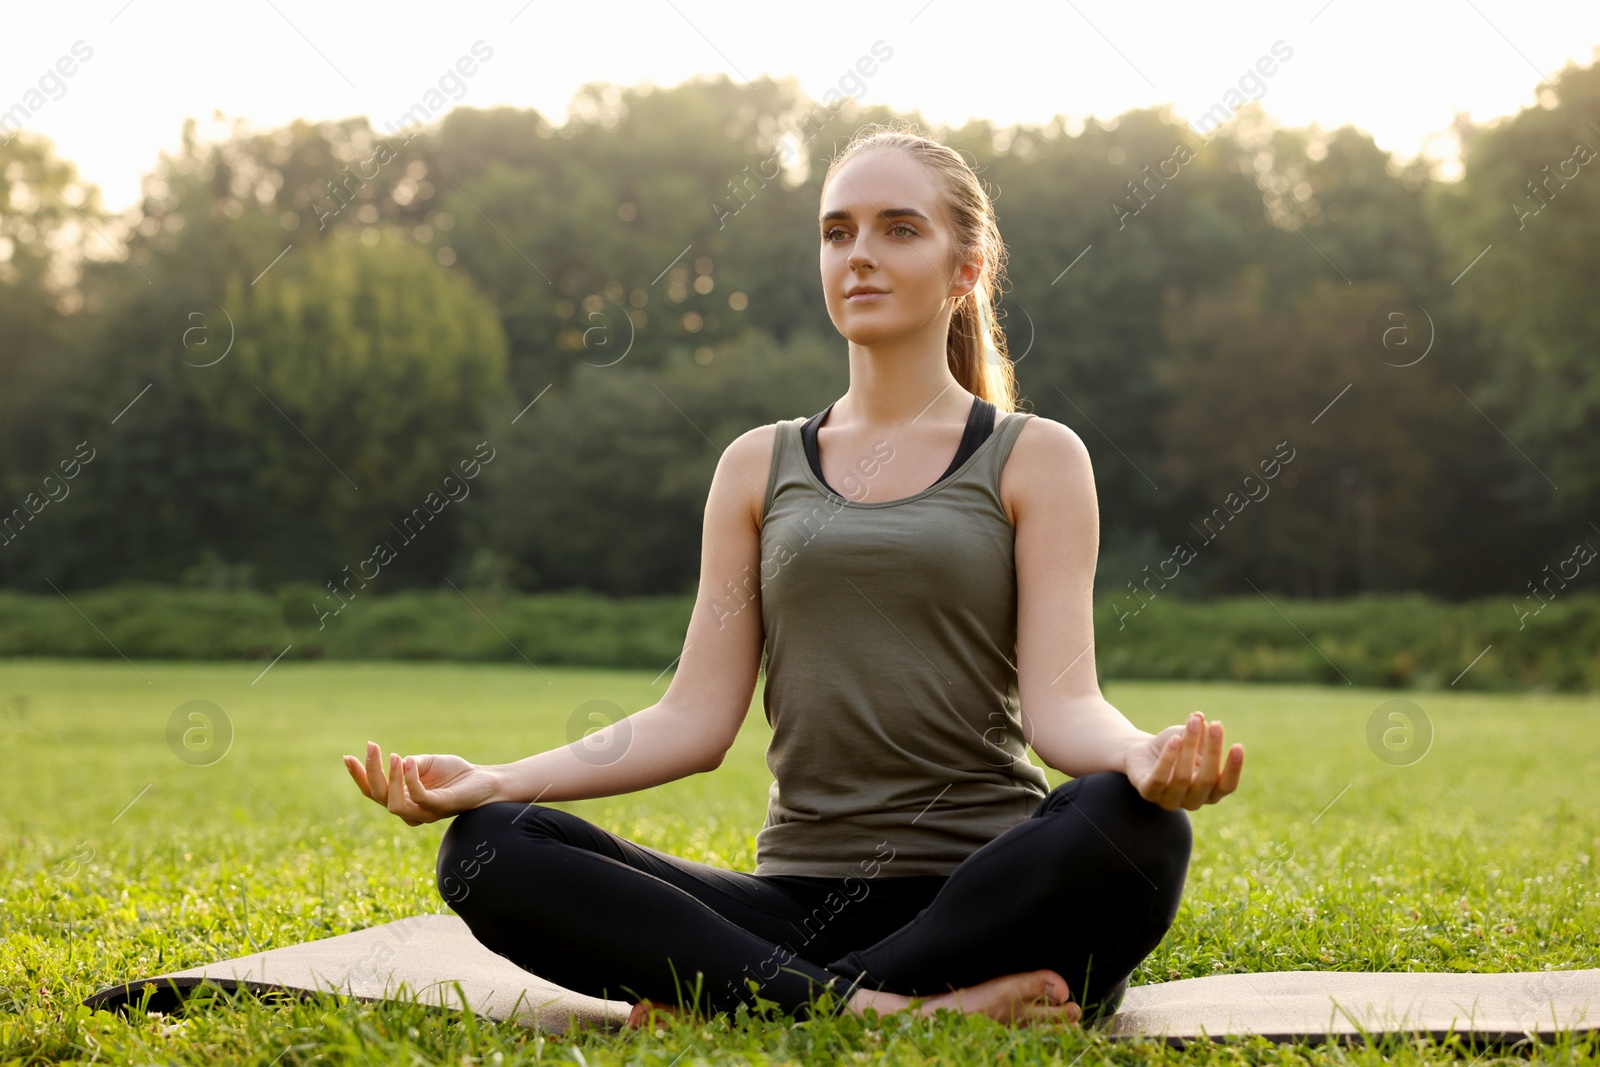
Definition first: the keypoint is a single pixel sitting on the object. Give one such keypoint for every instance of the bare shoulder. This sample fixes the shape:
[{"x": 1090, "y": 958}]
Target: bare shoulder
[
  {"x": 748, "y": 461},
  {"x": 1047, "y": 460}
]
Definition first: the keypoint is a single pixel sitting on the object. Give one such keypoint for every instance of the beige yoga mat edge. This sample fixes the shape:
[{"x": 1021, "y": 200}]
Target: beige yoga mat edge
[{"x": 423, "y": 957}]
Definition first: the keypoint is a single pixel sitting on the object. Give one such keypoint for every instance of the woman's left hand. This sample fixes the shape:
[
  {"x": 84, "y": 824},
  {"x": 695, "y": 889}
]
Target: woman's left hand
[{"x": 1183, "y": 766}]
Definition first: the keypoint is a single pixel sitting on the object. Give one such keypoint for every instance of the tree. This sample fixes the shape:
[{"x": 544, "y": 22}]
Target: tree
[
  {"x": 1291, "y": 426},
  {"x": 604, "y": 485},
  {"x": 50, "y": 221},
  {"x": 1523, "y": 229},
  {"x": 360, "y": 376}
]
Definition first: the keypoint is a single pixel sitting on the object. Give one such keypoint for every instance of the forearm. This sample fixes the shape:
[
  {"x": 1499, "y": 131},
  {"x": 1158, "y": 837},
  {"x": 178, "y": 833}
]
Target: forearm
[
  {"x": 1083, "y": 736},
  {"x": 649, "y": 747}
]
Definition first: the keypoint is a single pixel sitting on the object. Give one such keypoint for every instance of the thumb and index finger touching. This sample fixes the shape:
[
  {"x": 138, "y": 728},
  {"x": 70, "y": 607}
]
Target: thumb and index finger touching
[
  {"x": 1191, "y": 749},
  {"x": 400, "y": 791}
]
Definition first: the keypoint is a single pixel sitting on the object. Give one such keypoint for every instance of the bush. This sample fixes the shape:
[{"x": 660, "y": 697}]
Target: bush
[
  {"x": 1396, "y": 641},
  {"x": 1400, "y": 641}
]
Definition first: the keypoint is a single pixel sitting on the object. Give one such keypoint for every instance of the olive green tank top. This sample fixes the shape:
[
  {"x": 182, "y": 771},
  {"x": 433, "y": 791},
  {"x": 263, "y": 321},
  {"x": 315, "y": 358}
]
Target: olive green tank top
[{"x": 891, "y": 681}]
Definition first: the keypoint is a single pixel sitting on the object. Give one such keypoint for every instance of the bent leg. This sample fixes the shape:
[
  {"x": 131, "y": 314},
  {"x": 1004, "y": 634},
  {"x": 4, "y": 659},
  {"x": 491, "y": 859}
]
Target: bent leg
[
  {"x": 1087, "y": 886},
  {"x": 601, "y": 915}
]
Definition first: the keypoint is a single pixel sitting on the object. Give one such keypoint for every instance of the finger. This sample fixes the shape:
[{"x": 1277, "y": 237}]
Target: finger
[
  {"x": 1202, "y": 747},
  {"x": 1209, "y": 768},
  {"x": 1233, "y": 767},
  {"x": 397, "y": 785},
  {"x": 1155, "y": 786},
  {"x": 419, "y": 796},
  {"x": 406, "y": 775},
  {"x": 1172, "y": 797},
  {"x": 377, "y": 785},
  {"x": 357, "y": 771}
]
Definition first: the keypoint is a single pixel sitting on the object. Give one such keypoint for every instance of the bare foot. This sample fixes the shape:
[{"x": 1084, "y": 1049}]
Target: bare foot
[
  {"x": 642, "y": 1011},
  {"x": 1015, "y": 999}
]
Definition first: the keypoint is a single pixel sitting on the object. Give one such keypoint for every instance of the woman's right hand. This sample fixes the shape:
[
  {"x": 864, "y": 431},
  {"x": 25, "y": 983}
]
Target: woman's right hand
[{"x": 423, "y": 788}]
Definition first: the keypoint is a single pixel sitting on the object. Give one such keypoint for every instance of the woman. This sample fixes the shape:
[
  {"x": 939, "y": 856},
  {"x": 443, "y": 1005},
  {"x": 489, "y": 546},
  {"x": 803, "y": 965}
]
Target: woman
[{"x": 918, "y": 636}]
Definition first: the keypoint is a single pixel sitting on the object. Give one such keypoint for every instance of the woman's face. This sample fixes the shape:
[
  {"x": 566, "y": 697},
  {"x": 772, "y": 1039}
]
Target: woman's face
[{"x": 882, "y": 227}]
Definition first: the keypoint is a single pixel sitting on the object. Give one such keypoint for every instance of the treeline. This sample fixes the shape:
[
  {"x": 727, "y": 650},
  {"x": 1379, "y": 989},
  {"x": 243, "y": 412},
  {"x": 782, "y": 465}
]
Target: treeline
[
  {"x": 508, "y": 355},
  {"x": 1401, "y": 641}
]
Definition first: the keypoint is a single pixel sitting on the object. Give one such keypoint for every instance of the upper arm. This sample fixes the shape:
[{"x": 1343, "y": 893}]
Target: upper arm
[
  {"x": 716, "y": 675},
  {"x": 1050, "y": 485}
]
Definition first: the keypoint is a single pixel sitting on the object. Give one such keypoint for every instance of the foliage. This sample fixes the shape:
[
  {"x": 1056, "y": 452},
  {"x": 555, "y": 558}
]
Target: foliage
[
  {"x": 1529, "y": 204},
  {"x": 1399, "y": 641},
  {"x": 318, "y": 410},
  {"x": 618, "y": 298}
]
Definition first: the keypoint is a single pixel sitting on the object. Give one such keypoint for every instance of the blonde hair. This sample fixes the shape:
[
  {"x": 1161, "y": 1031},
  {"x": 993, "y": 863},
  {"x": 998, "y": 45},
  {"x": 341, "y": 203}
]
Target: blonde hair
[{"x": 976, "y": 345}]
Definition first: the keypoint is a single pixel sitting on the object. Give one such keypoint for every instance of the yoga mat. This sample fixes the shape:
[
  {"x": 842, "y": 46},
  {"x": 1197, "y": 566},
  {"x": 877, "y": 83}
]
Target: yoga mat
[
  {"x": 1347, "y": 1006},
  {"x": 425, "y": 952},
  {"x": 429, "y": 953}
]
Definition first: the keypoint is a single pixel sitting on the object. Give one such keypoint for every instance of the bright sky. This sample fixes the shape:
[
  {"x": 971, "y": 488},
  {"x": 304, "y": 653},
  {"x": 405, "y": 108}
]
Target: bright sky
[{"x": 1400, "y": 69}]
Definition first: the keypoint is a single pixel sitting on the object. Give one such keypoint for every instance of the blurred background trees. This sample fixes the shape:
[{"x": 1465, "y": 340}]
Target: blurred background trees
[{"x": 299, "y": 333}]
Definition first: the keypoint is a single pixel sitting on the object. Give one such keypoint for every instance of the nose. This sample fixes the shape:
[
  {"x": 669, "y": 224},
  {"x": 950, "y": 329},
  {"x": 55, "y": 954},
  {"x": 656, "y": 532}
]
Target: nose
[{"x": 860, "y": 256}]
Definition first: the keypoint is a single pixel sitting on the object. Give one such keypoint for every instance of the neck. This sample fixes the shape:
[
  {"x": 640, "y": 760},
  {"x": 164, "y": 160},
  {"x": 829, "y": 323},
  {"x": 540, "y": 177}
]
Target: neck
[{"x": 902, "y": 382}]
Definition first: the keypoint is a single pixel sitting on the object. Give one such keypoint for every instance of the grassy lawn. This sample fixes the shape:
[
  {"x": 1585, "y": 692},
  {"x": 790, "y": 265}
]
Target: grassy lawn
[{"x": 122, "y": 860}]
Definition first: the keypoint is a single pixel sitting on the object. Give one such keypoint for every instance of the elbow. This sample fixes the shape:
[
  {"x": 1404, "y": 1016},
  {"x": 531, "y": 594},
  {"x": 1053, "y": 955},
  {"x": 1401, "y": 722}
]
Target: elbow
[
  {"x": 1059, "y": 765},
  {"x": 712, "y": 754},
  {"x": 1068, "y": 757},
  {"x": 1046, "y": 750},
  {"x": 713, "y": 759},
  {"x": 694, "y": 745}
]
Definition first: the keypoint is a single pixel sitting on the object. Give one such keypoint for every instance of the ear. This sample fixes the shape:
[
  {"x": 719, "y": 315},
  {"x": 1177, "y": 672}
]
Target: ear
[{"x": 966, "y": 276}]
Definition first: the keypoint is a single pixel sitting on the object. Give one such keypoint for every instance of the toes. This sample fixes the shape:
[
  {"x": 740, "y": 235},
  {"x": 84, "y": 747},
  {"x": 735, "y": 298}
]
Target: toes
[
  {"x": 1067, "y": 1014},
  {"x": 640, "y": 1015},
  {"x": 1055, "y": 986}
]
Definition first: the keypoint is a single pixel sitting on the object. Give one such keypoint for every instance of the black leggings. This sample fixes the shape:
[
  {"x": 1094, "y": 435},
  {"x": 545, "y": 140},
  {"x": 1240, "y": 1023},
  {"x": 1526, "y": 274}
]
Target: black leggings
[{"x": 1087, "y": 886}]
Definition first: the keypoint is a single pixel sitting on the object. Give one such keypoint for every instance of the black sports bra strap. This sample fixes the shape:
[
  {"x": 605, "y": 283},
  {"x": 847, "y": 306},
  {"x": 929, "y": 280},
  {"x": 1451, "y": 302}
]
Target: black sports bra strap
[{"x": 981, "y": 422}]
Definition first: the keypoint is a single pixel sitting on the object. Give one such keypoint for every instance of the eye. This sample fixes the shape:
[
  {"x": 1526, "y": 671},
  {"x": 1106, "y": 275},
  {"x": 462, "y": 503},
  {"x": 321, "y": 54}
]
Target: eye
[{"x": 910, "y": 231}]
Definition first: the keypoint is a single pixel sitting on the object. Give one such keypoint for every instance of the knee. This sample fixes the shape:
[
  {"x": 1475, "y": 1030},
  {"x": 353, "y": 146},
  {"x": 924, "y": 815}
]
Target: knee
[
  {"x": 471, "y": 844},
  {"x": 1152, "y": 835}
]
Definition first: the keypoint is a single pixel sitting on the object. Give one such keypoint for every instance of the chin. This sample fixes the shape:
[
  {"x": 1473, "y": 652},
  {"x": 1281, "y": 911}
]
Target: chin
[
  {"x": 871, "y": 335},
  {"x": 856, "y": 329}
]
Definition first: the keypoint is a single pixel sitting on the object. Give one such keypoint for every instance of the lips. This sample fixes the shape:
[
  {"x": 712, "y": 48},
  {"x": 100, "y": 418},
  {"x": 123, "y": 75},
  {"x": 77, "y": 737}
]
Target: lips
[{"x": 859, "y": 294}]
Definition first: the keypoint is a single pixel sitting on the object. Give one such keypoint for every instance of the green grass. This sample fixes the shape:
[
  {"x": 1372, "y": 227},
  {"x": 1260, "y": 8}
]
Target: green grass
[{"x": 120, "y": 860}]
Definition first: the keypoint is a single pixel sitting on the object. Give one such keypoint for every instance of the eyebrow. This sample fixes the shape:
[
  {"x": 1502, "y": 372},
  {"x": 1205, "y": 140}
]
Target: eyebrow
[{"x": 886, "y": 213}]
